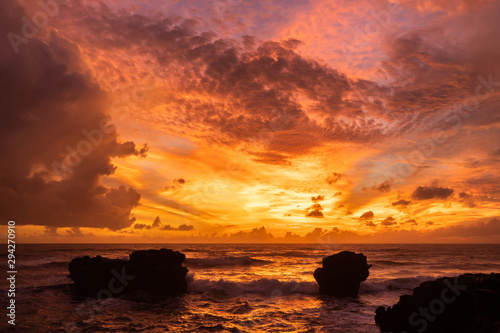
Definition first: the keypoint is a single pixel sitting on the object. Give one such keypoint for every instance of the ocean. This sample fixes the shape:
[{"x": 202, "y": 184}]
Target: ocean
[{"x": 233, "y": 287}]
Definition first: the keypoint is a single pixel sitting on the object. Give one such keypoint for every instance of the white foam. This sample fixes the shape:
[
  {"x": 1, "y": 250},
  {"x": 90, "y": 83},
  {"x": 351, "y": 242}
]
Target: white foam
[{"x": 271, "y": 287}]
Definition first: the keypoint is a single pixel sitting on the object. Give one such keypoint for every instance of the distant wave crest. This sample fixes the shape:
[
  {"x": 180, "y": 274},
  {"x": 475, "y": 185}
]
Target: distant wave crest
[
  {"x": 225, "y": 261},
  {"x": 293, "y": 254},
  {"x": 43, "y": 262},
  {"x": 372, "y": 287},
  {"x": 393, "y": 263}
]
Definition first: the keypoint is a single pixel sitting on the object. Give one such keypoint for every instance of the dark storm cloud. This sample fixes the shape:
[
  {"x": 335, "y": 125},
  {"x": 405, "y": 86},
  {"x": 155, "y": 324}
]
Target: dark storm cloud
[
  {"x": 333, "y": 178},
  {"x": 401, "y": 203},
  {"x": 262, "y": 84},
  {"x": 177, "y": 183},
  {"x": 467, "y": 199},
  {"x": 367, "y": 215},
  {"x": 429, "y": 192},
  {"x": 156, "y": 222},
  {"x": 158, "y": 225},
  {"x": 316, "y": 209},
  {"x": 271, "y": 158},
  {"x": 141, "y": 226},
  {"x": 182, "y": 227},
  {"x": 388, "y": 221},
  {"x": 383, "y": 187},
  {"x": 55, "y": 141},
  {"x": 318, "y": 198},
  {"x": 411, "y": 221},
  {"x": 315, "y": 213}
]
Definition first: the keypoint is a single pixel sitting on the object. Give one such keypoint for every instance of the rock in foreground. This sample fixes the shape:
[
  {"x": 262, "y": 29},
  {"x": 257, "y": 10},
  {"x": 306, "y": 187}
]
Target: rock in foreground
[
  {"x": 467, "y": 303},
  {"x": 156, "y": 272},
  {"x": 342, "y": 274}
]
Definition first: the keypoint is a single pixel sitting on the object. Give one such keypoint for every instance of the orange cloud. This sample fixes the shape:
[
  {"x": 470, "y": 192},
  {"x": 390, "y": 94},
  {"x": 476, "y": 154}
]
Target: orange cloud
[{"x": 248, "y": 116}]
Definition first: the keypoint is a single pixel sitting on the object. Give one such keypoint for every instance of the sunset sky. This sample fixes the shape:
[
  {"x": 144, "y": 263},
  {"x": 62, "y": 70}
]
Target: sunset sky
[{"x": 250, "y": 121}]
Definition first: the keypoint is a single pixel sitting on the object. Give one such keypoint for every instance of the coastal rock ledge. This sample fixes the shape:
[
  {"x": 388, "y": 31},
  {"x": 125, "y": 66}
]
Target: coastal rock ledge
[
  {"x": 467, "y": 303},
  {"x": 156, "y": 272},
  {"x": 342, "y": 274}
]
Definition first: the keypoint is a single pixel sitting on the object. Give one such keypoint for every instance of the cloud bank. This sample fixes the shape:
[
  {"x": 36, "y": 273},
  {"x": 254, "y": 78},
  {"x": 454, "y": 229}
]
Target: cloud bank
[{"x": 56, "y": 142}]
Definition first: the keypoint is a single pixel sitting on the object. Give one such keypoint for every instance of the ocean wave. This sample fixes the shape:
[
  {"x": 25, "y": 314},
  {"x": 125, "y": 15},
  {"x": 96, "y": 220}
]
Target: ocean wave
[
  {"x": 55, "y": 264},
  {"x": 293, "y": 254},
  {"x": 264, "y": 286},
  {"x": 67, "y": 287},
  {"x": 389, "y": 249},
  {"x": 271, "y": 287},
  {"x": 225, "y": 261},
  {"x": 275, "y": 287},
  {"x": 369, "y": 287},
  {"x": 68, "y": 250},
  {"x": 43, "y": 262},
  {"x": 393, "y": 263}
]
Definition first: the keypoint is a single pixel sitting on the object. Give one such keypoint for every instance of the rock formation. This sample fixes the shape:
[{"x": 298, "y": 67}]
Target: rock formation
[
  {"x": 467, "y": 303},
  {"x": 342, "y": 274},
  {"x": 156, "y": 272}
]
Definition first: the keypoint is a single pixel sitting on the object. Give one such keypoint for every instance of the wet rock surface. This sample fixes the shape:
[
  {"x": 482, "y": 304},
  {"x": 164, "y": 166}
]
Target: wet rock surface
[
  {"x": 342, "y": 274},
  {"x": 155, "y": 272},
  {"x": 467, "y": 303}
]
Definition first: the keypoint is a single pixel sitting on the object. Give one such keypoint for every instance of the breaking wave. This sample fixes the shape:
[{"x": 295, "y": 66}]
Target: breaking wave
[
  {"x": 275, "y": 287},
  {"x": 264, "y": 286}
]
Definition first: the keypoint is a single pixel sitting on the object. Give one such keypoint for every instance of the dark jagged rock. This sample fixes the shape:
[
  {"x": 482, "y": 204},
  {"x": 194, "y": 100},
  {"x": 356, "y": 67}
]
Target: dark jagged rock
[
  {"x": 467, "y": 303},
  {"x": 156, "y": 272},
  {"x": 342, "y": 274}
]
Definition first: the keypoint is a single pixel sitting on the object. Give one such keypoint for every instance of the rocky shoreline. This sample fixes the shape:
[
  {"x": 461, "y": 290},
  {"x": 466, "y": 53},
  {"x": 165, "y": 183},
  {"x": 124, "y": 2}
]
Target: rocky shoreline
[{"x": 467, "y": 303}]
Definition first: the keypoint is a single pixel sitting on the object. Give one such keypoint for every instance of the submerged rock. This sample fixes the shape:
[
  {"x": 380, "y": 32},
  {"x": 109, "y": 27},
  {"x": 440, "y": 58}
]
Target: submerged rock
[
  {"x": 467, "y": 303},
  {"x": 342, "y": 274},
  {"x": 156, "y": 272}
]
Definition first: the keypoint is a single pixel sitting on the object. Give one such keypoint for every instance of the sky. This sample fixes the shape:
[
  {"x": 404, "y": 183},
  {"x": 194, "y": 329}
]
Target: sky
[{"x": 250, "y": 121}]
